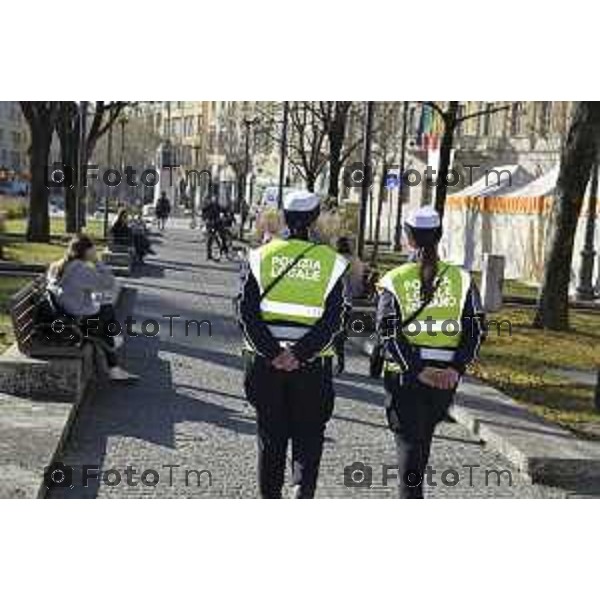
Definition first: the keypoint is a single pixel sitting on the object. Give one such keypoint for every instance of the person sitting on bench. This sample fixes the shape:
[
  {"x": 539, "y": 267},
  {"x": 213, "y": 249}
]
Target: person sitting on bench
[
  {"x": 77, "y": 281},
  {"x": 125, "y": 234}
]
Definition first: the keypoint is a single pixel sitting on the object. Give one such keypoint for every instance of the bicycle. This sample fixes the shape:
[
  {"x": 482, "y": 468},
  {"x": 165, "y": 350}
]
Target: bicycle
[{"x": 217, "y": 242}]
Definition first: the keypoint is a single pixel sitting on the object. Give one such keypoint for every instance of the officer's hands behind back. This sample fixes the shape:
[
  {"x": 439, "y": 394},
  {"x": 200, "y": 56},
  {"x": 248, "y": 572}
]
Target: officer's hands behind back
[
  {"x": 285, "y": 361},
  {"x": 441, "y": 379}
]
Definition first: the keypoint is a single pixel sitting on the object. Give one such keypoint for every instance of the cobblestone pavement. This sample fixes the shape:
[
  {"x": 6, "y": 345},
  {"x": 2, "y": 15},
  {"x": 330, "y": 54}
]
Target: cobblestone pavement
[{"x": 188, "y": 409}]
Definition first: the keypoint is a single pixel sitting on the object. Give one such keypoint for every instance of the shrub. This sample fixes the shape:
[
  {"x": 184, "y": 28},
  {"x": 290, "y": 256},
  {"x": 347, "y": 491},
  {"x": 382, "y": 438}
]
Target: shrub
[
  {"x": 14, "y": 207},
  {"x": 2, "y": 230}
]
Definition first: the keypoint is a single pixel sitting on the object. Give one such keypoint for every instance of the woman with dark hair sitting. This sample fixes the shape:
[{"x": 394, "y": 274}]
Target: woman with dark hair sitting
[
  {"x": 122, "y": 233},
  {"x": 77, "y": 281},
  {"x": 119, "y": 231},
  {"x": 430, "y": 321}
]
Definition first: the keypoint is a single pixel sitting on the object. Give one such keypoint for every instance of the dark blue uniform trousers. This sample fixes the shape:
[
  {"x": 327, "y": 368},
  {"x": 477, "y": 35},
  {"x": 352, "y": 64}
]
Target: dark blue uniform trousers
[
  {"x": 413, "y": 410},
  {"x": 290, "y": 406}
]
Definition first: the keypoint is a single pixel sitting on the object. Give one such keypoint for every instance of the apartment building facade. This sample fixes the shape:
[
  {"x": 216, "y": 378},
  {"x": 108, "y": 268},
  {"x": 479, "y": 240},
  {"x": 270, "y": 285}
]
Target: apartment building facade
[{"x": 14, "y": 141}]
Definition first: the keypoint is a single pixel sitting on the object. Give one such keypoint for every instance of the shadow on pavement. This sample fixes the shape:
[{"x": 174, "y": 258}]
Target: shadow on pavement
[{"x": 147, "y": 411}]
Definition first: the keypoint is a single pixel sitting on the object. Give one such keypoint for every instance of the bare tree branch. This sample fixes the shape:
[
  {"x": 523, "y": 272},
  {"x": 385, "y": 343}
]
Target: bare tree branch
[{"x": 487, "y": 111}]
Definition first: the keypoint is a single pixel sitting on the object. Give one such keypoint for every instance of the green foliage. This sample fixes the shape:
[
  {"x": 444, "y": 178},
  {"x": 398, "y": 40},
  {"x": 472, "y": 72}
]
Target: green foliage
[
  {"x": 94, "y": 227},
  {"x": 13, "y": 207},
  {"x": 8, "y": 287},
  {"x": 522, "y": 365}
]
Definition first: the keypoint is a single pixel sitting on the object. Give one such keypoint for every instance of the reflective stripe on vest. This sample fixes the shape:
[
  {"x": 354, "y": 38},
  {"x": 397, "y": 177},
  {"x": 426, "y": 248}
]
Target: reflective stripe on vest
[
  {"x": 285, "y": 332},
  {"x": 434, "y": 354}
]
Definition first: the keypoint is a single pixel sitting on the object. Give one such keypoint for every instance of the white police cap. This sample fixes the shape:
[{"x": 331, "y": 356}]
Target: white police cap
[
  {"x": 425, "y": 217},
  {"x": 300, "y": 201}
]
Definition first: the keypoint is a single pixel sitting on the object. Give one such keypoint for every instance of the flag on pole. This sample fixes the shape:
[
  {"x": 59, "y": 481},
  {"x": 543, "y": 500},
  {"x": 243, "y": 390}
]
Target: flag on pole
[{"x": 425, "y": 123}]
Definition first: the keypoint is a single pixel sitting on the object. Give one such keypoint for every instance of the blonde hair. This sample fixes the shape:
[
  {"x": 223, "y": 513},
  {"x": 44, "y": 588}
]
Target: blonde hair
[
  {"x": 269, "y": 221},
  {"x": 76, "y": 250}
]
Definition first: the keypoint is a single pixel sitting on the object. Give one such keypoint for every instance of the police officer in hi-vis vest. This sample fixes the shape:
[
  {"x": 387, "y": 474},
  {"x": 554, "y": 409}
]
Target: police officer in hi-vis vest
[
  {"x": 430, "y": 320},
  {"x": 291, "y": 309}
]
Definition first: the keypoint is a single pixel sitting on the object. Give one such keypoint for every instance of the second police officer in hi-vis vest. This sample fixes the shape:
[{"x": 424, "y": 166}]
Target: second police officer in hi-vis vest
[
  {"x": 291, "y": 309},
  {"x": 430, "y": 321}
]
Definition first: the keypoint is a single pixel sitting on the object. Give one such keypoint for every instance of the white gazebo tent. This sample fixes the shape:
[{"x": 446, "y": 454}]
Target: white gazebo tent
[
  {"x": 513, "y": 224},
  {"x": 496, "y": 181},
  {"x": 468, "y": 230}
]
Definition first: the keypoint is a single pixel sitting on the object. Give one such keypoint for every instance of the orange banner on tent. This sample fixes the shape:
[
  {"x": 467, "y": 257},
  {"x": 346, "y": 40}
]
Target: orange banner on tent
[{"x": 520, "y": 205}]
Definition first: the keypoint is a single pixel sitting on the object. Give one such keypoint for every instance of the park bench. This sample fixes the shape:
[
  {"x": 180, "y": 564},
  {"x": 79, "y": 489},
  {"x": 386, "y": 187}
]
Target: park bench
[
  {"x": 33, "y": 366},
  {"x": 119, "y": 255}
]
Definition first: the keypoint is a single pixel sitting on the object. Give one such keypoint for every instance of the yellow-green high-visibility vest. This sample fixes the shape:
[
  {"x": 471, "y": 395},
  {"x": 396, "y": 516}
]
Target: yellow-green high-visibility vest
[
  {"x": 297, "y": 301},
  {"x": 437, "y": 329}
]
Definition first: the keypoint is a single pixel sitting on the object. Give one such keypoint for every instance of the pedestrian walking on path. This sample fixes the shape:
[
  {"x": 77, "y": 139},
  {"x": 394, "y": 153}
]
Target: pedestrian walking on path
[
  {"x": 163, "y": 210},
  {"x": 291, "y": 309},
  {"x": 430, "y": 321}
]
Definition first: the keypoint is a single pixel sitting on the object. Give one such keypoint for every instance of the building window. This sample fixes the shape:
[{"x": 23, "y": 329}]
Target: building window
[
  {"x": 412, "y": 120},
  {"x": 460, "y": 112},
  {"x": 212, "y": 139},
  {"x": 188, "y": 126},
  {"x": 545, "y": 118},
  {"x": 515, "y": 119}
]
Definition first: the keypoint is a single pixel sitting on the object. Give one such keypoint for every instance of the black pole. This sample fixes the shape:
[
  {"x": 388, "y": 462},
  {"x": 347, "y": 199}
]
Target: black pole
[
  {"x": 398, "y": 231},
  {"x": 282, "y": 153},
  {"x": 197, "y": 190},
  {"x": 248, "y": 123},
  {"x": 597, "y": 393},
  {"x": 585, "y": 289},
  {"x": 123, "y": 121},
  {"x": 122, "y": 145},
  {"x": 366, "y": 182},
  {"x": 244, "y": 182},
  {"x": 82, "y": 157},
  {"x": 109, "y": 166}
]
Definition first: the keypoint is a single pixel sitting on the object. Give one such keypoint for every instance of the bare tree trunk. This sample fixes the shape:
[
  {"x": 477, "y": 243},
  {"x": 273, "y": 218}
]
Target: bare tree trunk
[
  {"x": 68, "y": 128},
  {"x": 335, "y": 167},
  {"x": 577, "y": 158},
  {"x": 337, "y": 134},
  {"x": 41, "y": 118},
  {"x": 38, "y": 224},
  {"x": 380, "y": 196},
  {"x": 445, "y": 155},
  {"x": 69, "y": 158}
]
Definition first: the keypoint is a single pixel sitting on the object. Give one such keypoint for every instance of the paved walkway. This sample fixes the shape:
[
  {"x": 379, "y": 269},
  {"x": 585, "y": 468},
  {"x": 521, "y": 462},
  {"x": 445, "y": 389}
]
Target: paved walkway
[{"x": 188, "y": 409}]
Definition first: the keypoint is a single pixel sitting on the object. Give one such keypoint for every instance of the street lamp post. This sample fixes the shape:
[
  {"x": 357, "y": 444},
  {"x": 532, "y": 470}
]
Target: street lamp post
[
  {"x": 80, "y": 189},
  {"x": 366, "y": 182},
  {"x": 248, "y": 122},
  {"x": 585, "y": 289},
  {"x": 122, "y": 122},
  {"x": 398, "y": 231},
  {"x": 197, "y": 188},
  {"x": 283, "y": 152},
  {"x": 109, "y": 166}
]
